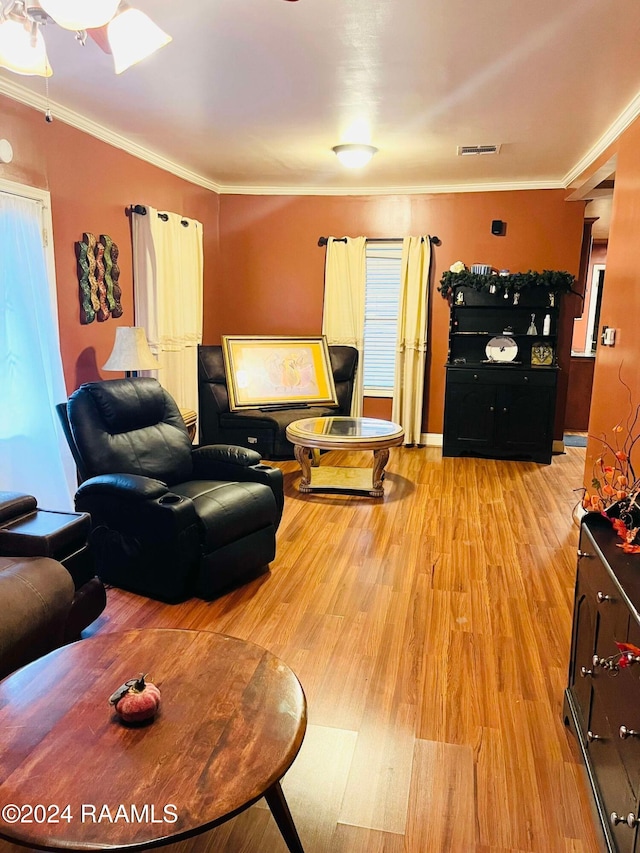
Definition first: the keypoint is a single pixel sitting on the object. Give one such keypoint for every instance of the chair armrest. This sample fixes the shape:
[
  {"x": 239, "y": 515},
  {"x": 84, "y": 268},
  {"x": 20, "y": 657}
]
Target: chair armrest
[
  {"x": 15, "y": 504},
  {"x": 122, "y": 485},
  {"x": 229, "y": 454},
  {"x": 138, "y": 505},
  {"x": 237, "y": 464}
]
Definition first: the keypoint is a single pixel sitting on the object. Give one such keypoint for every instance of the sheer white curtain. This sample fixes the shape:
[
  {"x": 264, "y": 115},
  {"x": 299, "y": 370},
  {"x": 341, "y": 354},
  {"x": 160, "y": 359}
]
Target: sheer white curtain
[
  {"x": 408, "y": 392},
  {"x": 344, "y": 292},
  {"x": 168, "y": 273},
  {"x": 34, "y": 457}
]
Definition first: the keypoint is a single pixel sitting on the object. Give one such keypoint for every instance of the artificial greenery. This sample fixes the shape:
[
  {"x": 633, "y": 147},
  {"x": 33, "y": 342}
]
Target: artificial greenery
[{"x": 553, "y": 281}]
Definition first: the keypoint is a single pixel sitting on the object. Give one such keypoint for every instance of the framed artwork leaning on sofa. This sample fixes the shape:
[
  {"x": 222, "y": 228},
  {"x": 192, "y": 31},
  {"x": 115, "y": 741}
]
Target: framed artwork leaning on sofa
[{"x": 264, "y": 372}]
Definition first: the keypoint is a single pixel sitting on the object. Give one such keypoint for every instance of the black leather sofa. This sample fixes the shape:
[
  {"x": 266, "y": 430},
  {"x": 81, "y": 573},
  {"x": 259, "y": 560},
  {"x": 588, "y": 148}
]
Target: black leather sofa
[
  {"x": 263, "y": 431},
  {"x": 169, "y": 520}
]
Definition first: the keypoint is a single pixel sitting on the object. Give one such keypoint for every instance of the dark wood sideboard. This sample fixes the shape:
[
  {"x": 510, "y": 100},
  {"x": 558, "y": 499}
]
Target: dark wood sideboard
[{"x": 602, "y": 700}]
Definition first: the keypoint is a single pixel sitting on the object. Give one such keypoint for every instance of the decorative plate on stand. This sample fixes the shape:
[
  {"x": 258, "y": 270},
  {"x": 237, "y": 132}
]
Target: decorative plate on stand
[{"x": 501, "y": 348}]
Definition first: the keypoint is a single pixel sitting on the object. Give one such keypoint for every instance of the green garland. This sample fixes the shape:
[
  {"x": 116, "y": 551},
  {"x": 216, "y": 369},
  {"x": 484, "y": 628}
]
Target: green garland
[{"x": 554, "y": 281}]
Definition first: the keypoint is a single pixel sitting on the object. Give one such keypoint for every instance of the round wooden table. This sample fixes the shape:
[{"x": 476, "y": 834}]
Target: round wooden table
[
  {"x": 308, "y": 435},
  {"x": 231, "y": 722}
]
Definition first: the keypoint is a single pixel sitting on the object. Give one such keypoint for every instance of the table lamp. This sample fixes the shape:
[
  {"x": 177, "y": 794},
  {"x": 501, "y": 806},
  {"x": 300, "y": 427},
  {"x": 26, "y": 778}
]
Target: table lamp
[{"x": 131, "y": 352}]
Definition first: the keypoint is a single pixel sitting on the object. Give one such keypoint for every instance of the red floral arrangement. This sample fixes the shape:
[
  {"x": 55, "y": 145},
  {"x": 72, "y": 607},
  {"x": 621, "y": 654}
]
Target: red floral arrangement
[
  {"x": 629, "y": 654},
  {"x": 615, "y": 490}
]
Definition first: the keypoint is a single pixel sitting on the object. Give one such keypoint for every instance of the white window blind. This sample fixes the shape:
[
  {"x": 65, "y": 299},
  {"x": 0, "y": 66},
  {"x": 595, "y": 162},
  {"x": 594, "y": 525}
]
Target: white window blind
[{"x": 382, "y": 296}]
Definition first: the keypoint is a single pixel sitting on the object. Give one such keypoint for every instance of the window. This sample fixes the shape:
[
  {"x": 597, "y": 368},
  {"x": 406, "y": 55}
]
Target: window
[
  {"x": 34, "y": 458},
  {"x": 382, "y": 302}
]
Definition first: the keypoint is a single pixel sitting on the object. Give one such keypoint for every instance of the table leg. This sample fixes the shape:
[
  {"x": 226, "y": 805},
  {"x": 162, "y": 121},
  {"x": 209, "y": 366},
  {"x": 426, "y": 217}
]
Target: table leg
[
  {"x": 282, "y": 816},
  {"x": 380, "y": 458},
  {"x": 302, "y": 455}
]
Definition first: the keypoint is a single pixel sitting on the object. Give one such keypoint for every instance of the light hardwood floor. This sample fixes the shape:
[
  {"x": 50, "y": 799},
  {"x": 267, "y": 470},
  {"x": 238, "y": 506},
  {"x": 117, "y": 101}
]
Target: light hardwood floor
[{"x": 430, "y": 631}]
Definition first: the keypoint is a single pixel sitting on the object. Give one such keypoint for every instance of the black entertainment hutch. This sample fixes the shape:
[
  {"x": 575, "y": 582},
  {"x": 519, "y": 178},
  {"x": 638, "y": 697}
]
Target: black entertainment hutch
[{"x": 502, "y": 373}]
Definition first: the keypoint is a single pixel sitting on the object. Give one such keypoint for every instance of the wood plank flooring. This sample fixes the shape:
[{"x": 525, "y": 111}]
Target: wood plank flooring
[{"x": 430, "y": 631}]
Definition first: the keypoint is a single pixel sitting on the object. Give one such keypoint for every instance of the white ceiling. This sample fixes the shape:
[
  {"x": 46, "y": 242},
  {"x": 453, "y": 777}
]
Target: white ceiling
[{"x": 252, "y": 94}]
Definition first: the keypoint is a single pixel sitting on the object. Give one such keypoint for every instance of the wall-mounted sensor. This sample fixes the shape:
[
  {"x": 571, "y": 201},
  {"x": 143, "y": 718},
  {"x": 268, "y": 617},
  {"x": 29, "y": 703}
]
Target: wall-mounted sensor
[
  {"x": 6, "y": 151},
  {"x": 498, "y": 227}
]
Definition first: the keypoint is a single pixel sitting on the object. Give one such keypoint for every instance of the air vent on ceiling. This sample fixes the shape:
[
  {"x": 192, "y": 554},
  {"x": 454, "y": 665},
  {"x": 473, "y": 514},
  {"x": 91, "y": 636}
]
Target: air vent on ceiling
[{"x": 469, "y": 150}]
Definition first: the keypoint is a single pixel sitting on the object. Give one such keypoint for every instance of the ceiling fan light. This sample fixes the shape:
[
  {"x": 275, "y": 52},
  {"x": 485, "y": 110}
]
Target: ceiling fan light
[
  {"x": 132, "y": 37},
  {"x": 80, "y": 14},
  {"x": 354, "y": 155},
  {"x": 22, "y": 48}
]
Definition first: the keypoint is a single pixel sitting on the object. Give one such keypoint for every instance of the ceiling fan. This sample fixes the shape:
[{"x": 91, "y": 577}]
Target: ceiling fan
[{"x": 119, "y": 29}]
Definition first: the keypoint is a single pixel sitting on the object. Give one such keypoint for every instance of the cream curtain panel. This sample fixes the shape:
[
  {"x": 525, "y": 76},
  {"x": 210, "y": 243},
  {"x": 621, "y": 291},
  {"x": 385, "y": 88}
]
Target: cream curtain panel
[
  {"x": 344, "y": 291},
  {"x": 168, "y": 267},
  {"x": 408, "y": 392}
]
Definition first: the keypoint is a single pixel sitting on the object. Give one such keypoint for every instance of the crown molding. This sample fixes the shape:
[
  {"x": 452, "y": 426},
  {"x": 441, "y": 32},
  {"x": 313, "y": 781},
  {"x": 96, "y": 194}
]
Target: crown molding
[
  {"x": 400, "y": 190},
  {"x": 26, "y": 96},
  {"x": 74, "y": 119},
  {"x": 626, "y": 117}
]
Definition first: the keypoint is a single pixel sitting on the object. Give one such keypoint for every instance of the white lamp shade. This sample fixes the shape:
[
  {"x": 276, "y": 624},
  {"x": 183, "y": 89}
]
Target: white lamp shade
[
  {"x": 80, "y": 14},
  {"x": 354, "y": 155},
  {"x": 132, "y": 37},
  {"x": 131, "y": 351},
  {"x": 21, "y": 53}
]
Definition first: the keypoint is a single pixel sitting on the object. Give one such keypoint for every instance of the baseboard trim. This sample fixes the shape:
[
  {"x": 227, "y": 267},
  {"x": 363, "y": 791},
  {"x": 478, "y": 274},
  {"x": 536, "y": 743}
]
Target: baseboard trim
[{"x": 431, "y": 439}]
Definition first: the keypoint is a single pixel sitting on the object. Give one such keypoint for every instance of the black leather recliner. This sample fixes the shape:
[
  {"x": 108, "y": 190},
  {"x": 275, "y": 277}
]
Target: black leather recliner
[
  {"x": 168, "y": 520},
  {"x": 264, "y": 431}
]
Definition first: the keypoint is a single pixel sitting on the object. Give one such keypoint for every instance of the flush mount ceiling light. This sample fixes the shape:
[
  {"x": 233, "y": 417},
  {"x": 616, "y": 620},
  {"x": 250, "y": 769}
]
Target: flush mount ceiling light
[
  {"x": 127, "y": 34},
  {"x": 354, "y": 155}
]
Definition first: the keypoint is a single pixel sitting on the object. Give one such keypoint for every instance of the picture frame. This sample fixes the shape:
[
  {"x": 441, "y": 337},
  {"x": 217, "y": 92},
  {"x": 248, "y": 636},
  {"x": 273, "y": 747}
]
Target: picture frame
[
  {"x": 542, "y": 354},
  {"x": 265, "y": 372}
]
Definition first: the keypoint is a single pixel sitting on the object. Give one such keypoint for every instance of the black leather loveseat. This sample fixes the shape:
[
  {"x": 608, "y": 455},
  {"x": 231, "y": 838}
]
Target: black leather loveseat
[{"x": 259, "y": 430}]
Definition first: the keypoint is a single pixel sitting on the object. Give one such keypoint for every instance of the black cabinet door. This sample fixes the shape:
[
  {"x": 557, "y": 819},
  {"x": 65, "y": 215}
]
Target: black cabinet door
[
  {"x": 470, "y": 411},
  {"x": 525, "y": 421}
]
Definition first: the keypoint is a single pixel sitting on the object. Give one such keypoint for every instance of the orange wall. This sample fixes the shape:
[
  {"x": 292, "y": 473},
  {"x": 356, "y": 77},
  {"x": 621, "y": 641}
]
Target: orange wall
[
  {"x": 272, "y": 268},
  {"x": 620, "y": 301},
  {"x": 91, "y": 185},
  {"x": 263, "y": 267}
]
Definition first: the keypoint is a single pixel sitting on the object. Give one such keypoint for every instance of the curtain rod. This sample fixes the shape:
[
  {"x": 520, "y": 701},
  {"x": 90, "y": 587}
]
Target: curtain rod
[
  {"x": 141, "y": 210},
  {"x": 322, "y": 241}
]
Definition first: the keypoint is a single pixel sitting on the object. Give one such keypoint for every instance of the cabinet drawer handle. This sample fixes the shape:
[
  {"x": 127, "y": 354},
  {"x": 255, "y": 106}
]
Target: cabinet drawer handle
[
  {"x": 526, "y": 378},
  {"x": 492, "y": 408},
  {"x": 631, "y": 820},
  {"x": 584, "y": 672},
  {"x": 585, "y": 554},
  {"x": 624, "y": 733},
  {"x": 602, "y": 597},
  {"x": 475, "y": 375},
  {"x": 592, "y": 736},
  {"x": 505, "y": 410}
]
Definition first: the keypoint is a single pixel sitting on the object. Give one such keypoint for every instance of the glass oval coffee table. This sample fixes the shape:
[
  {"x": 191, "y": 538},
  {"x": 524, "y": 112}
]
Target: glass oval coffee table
[{"x": 309, "y": 435}]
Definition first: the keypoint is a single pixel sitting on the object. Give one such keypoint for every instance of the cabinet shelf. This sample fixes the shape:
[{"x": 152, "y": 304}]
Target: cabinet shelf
[
  {"x": 504, "y": 365},
  {"x": 504, "y": 334}
]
